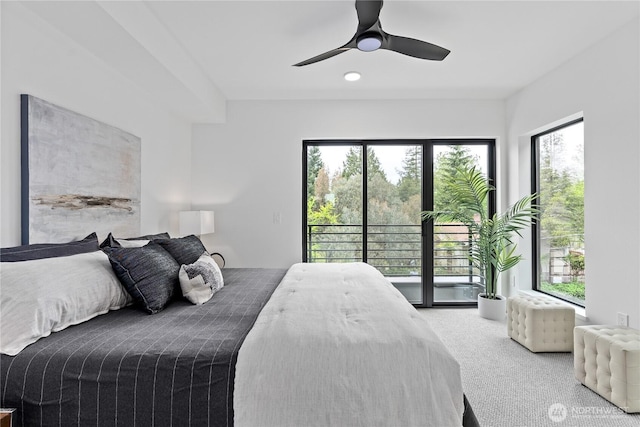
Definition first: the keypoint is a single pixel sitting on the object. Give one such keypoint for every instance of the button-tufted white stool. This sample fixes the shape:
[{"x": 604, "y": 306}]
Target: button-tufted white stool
[
  {"x": 607, "y": 360},
  {"x": 540, "y": 323}
]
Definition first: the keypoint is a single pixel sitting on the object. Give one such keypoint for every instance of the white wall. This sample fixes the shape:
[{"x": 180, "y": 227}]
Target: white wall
[
  {"x": 250, "y": 167},
  {"x": 603, "y": 84},
  {"x": 40, "y": 61}
]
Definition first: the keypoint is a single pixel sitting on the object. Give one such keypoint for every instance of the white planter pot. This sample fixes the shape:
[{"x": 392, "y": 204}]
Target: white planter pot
[{"x": 493, "y": 309}]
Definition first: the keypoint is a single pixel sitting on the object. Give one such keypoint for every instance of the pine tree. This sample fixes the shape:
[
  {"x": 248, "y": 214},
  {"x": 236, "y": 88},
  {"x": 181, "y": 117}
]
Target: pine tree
[
  {"x": 411, "y": 174},
  {"x": 314, "y": 164},
  {"x": 321, "y": 187},
  {"x": 373, "y": 165},
  {"x": 447, "y": 163},
  {"x": 352, "y": 164}
]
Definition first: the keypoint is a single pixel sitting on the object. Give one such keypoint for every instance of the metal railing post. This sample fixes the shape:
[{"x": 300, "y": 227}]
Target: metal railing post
[
  {"x": 310, "y": 243},
  {"x": 470, "y": 243}
]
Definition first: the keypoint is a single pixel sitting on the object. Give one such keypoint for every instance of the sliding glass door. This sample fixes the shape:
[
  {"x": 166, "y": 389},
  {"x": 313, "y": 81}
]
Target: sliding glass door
[
  {"x": 455, "y": 280},
  {"x": 393, "y": 226},
  {"x": 362, "y": 202}
]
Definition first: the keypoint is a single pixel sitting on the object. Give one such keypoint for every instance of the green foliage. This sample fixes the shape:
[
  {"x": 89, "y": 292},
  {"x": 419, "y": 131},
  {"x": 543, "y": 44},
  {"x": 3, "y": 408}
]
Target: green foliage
[
  {"x": 314, "y": 164},
  {"x": 348, "y": 198},
  {"x": 576, "y": 263},
  {"x": 321, "y": 188},
  {"x": 561, "y": 197},
  {"x": 493, "y": 248},
  {"x": 352, "y": 164},
  {"x": 447, "y": 164},
  {"x": 323, "y": 215},
  {"x": 574, "y": 289},
  {"x": 410, "y": 183}
]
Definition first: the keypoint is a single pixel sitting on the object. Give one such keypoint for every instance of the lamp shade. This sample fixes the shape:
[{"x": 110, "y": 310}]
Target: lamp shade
[{"x": 196, "y": 222}]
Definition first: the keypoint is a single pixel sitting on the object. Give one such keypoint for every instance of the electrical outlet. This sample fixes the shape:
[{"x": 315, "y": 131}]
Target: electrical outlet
[{"x": 623, "y": 319}]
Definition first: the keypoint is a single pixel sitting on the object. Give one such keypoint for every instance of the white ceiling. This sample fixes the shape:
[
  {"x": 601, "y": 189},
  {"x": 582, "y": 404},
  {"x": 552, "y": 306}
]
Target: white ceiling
[{"x": 241, "y": 50}]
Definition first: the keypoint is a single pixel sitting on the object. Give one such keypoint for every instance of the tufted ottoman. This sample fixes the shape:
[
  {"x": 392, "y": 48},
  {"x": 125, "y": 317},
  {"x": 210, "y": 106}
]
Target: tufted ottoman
[
  {"x": 607, "y": 360},
  {"x": 540, "y": 323}
]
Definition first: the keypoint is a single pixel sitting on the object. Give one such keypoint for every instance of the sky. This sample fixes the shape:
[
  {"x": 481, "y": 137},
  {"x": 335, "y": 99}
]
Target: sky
[
  {"x": 390, "y": 156},
  {"x": 570, "y": 154}
]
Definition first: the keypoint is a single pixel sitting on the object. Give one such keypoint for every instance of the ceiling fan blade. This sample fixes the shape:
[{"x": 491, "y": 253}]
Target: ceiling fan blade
[
  {"x": 323, "y": 56},
  {"x": 413, "y": 47},
  {"x": 368, "y": 13}
]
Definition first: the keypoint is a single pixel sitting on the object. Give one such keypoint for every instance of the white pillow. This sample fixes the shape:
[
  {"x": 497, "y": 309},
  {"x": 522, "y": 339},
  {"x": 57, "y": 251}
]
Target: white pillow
[
  {"x": 47, "y": 295},
  {"x": 132, "y": 243},
  {"x": 200, "y": 280}
]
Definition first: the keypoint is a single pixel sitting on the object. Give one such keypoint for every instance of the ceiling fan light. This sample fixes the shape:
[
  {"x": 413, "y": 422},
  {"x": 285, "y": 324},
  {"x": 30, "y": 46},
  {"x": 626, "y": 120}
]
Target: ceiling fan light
[{"x": 368, "y": 42}]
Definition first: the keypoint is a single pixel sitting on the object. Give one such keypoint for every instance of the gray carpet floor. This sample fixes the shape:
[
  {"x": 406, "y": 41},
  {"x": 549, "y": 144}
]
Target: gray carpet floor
[{"x": 509, "y": 386}]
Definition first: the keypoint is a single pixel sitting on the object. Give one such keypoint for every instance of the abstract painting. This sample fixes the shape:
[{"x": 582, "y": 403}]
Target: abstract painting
[{"x": 79, "y": 175}]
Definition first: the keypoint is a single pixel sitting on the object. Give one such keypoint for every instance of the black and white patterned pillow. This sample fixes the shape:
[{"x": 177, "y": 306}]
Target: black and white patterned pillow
[{"x": 200, "y": 280}]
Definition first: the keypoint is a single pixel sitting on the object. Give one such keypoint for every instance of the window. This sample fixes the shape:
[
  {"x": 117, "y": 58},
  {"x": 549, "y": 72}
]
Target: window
[
  {"x": 558, "y": 244},
  {"x": 362, "y": 202}
]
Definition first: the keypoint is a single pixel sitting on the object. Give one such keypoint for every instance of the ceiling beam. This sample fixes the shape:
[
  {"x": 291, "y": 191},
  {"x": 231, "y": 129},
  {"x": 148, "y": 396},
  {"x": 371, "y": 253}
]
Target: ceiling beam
[{"x": 128, "y": 38}]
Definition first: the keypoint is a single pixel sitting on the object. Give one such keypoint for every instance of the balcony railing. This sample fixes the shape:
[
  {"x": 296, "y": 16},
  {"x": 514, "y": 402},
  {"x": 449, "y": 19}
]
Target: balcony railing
[{"x": 395, "y": 250}]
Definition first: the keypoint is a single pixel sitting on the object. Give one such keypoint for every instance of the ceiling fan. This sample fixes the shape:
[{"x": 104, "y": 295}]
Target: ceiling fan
[{"x": 369, "y": 37}]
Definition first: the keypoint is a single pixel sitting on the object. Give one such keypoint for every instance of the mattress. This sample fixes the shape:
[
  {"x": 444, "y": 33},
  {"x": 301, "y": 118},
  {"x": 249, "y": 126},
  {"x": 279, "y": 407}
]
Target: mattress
[{"x": 338, "y": 345}]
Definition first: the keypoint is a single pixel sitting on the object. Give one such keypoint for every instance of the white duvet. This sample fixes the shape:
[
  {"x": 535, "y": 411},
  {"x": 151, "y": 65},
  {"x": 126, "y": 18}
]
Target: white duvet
[{"x": 338, "y": 345}]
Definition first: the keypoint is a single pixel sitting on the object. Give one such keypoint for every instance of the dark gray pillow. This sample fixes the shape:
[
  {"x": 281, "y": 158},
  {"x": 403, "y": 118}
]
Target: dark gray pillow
[
  {"x": 49, "y": 250},
  {"x": 111, "y": 242},
  {"x": 148, "y": 273},
  {"x": 185, "y": 250}
]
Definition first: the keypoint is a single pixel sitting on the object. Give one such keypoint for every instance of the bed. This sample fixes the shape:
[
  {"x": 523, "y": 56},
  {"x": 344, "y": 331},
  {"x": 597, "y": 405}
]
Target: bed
[{"x": 308, "y": 345}]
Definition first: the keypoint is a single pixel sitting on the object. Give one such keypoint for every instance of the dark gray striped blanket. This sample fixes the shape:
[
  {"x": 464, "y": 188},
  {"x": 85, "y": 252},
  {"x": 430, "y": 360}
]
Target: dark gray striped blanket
[{"x": 129, "y": 368}]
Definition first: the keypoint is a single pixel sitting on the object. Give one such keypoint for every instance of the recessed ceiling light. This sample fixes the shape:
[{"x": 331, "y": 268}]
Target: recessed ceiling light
[{"x": 352, "y": 76}]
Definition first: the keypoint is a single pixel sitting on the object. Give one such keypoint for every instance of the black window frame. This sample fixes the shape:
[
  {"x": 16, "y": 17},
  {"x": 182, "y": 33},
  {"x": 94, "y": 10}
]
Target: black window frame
[
  {"x": 427, "y": 196},
  {"x": 535, "y": 228}
]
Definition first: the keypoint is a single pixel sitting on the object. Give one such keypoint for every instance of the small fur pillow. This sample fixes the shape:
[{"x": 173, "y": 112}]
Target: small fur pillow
[{"x": 200, "y": 280}]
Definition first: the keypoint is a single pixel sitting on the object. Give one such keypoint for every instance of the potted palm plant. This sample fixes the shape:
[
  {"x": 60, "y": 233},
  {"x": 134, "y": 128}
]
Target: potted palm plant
[{"x": 492, "y": 249}]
